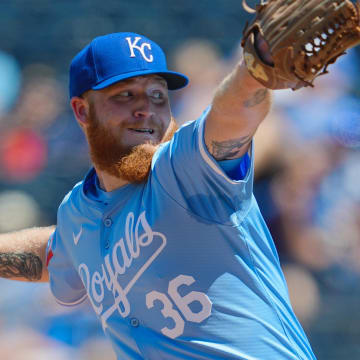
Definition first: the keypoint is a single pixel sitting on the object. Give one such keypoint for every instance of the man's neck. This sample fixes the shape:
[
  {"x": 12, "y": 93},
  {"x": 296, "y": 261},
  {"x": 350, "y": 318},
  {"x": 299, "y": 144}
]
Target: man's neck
[{"x": 109, "y": 182}]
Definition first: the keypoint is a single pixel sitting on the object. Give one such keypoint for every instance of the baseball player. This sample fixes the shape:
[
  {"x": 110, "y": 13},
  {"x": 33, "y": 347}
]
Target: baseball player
[{"x": 163, "y": 235}]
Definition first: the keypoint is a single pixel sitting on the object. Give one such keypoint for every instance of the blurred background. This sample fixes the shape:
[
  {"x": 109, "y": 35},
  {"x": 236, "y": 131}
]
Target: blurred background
[{"x": 307, "y": 161}]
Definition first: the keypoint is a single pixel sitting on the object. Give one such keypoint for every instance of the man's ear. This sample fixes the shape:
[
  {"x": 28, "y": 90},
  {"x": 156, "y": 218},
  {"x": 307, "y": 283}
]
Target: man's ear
[{"x": 80, "y": 107}]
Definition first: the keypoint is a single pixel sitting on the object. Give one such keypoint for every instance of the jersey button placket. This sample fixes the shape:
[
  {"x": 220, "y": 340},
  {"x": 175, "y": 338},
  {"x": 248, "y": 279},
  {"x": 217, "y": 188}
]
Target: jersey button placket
[
  {"x": 107, "y": 223},
  {"x": 134, "y": 322}
]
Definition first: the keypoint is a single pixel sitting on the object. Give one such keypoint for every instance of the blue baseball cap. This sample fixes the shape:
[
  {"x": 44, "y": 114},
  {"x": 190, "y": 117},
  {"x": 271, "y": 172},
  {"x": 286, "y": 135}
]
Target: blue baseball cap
[{"x": 115, "y": 57}]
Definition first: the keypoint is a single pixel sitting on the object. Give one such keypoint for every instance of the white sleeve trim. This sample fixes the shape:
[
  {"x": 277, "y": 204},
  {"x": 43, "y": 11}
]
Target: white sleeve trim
[
  {"x": 77, "y": 302},
  {"x": 207, "y": 158}
]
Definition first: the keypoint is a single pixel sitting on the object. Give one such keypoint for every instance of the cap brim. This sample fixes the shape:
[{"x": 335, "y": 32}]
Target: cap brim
[{"x": 174, "y": 79}]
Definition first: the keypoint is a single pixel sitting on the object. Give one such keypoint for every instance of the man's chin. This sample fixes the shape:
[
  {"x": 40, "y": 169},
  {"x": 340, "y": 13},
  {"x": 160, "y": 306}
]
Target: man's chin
[{"x": 136, "y": 166}]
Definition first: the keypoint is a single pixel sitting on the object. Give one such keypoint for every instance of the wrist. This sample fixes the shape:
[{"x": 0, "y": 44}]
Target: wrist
[{"x": 246, "y": 79}]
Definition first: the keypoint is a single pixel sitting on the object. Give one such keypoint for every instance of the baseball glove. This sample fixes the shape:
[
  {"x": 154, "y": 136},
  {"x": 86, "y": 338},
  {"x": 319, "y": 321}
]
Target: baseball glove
[{"x": 303, "y": 36}]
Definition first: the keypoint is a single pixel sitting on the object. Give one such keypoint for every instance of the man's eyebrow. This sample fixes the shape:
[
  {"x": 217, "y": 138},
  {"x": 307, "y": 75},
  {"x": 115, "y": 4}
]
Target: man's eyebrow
[
  {"x": 158, "y": 78},
  {"x": 162, "y": 80}
]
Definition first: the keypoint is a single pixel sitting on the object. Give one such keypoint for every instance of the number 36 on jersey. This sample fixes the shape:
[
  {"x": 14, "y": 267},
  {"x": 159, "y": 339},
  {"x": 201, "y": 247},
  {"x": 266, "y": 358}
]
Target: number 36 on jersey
[{"x": 177, "y": 307}]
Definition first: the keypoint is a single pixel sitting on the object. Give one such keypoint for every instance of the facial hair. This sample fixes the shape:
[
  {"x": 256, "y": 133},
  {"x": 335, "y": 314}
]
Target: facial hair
[{"x": 109, "y": 155}]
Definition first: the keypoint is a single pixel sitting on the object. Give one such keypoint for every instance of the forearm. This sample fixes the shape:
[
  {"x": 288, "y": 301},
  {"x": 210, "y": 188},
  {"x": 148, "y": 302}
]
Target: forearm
[
  {"x": 23, "y": 254},
  {"x": 239, "y": 106},
  {"x": 240, "y": 96}
]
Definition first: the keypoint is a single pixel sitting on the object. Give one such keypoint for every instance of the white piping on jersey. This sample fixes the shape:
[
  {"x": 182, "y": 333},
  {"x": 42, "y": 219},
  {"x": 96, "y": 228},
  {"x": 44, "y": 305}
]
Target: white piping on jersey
[{"x": 77, "y": 302}]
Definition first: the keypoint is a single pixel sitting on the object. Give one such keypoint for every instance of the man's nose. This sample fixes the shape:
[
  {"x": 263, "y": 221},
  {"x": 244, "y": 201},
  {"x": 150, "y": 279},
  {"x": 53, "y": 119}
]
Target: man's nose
[{"x": 143, "y": 108}]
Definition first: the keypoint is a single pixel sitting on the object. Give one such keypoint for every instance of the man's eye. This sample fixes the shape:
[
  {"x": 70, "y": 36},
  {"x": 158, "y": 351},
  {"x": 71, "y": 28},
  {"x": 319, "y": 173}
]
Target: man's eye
[
  {"x": 158, "y": 95},
  {"x": 124, "y": 95}
]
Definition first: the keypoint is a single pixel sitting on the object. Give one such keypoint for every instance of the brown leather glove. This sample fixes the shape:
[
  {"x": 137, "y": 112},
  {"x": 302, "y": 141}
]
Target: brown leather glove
[{"x": 303, "y": 36}]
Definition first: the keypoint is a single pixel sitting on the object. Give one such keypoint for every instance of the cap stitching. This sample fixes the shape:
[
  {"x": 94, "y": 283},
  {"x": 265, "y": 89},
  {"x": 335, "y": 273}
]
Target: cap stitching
[{"x": 93, "y": 58}]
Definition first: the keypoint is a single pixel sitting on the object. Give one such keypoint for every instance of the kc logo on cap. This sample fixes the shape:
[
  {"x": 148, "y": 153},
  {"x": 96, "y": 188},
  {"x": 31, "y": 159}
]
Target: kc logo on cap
[{"x": 133, "y": 45}]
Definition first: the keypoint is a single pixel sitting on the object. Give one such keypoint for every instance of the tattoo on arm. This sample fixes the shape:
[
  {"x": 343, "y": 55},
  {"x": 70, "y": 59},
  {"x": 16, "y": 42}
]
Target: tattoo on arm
[
  {"x": 257, "y": 99},
  {"x": 222, "y": 150},
  {"x": 21, "y": 265}
]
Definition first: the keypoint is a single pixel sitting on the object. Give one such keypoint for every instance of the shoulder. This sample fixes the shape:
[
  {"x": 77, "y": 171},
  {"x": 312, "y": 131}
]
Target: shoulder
[
  {"x": 74, "y": 197},
  {"x": 169, "y": 149},
  {"x": 182, "y": 142},
  {"x": 71, "y": 195}
]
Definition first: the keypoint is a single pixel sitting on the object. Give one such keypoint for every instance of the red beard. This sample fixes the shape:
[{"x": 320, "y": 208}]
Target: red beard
[{"x": 108, "y": 155}]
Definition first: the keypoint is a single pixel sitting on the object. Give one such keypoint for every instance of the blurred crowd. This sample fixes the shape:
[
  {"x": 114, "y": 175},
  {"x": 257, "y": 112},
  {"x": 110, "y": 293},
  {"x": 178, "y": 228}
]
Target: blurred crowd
[{"x": 307, "y": 159}]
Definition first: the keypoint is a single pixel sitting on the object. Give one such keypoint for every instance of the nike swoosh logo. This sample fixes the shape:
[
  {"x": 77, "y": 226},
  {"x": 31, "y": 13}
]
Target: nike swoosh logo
[{"x": 77, "y": 237}]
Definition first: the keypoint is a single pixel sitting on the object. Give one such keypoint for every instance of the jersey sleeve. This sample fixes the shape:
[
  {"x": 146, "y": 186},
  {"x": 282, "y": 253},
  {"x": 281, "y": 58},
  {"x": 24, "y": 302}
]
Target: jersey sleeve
[
  {"x": 65, "y": 282},
  {"x": 191, "y": 176}
]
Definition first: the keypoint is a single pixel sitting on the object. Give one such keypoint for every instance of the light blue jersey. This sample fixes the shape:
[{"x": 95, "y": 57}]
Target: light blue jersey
[{"x": 180, "y": 267}]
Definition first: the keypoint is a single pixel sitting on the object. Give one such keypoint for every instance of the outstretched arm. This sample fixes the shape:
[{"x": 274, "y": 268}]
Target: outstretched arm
[
  {"x": 22, "y": 254},
  {"x": 239, "y": 106}
]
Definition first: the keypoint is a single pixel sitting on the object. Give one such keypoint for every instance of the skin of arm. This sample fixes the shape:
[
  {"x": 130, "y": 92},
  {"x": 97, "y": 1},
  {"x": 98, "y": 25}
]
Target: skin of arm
[
  {"x": 23, "y": 254},
  {"x": 239, "y": 106}
]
